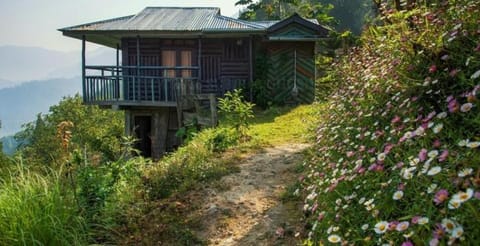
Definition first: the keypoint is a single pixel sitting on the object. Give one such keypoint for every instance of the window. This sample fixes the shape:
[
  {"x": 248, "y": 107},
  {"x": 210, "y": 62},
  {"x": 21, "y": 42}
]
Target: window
[{"x": 169, "y": 59}]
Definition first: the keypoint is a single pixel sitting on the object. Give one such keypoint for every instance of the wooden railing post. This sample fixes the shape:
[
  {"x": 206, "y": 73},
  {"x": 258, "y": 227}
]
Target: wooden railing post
[
  {"x": 83, "y": 70},
  {"x": 117, "y": 84},
  {"x": 213, "y": 108}
]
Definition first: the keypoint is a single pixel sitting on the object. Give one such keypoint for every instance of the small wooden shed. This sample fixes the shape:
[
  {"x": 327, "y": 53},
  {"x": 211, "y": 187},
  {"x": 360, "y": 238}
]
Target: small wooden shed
[{"x": 170, "y": 58}]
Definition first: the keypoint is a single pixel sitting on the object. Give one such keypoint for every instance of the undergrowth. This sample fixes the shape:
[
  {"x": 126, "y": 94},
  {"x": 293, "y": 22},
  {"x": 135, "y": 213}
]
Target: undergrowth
[
  {"x": 397, "y": 153},
  {"x": 37, "y": 210}
]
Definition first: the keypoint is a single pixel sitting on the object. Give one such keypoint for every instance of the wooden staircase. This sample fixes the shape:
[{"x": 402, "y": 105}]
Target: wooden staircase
[{"x": 195, "y": 107}]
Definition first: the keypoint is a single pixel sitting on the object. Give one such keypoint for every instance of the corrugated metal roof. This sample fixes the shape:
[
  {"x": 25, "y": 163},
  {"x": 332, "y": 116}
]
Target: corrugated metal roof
[
  {"x": 170, "y": 19},
  {"x": 176, "y": 19},
  {"x": 220, "y": 22}
]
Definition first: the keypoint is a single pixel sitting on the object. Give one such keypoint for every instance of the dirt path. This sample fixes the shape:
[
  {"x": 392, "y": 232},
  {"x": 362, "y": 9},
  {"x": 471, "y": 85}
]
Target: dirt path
[{"x": 245, "y": 209}]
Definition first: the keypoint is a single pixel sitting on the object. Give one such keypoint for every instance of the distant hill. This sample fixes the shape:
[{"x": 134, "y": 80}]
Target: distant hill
[
  {"x": 6, "y": 83},
  {"x": 9, "y": 145},
  {"x": 21, "y": 104},
  {"x": 19, "y": 64}
]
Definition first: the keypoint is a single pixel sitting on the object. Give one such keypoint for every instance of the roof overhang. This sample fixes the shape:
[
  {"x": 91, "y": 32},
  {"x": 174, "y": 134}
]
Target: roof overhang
[{"x": 114, "y": 37}]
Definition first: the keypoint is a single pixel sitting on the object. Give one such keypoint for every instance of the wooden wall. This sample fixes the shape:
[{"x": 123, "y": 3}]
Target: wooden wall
[
  {"x": 284, "y": 69},
  {"x": 224, "y": 63}
]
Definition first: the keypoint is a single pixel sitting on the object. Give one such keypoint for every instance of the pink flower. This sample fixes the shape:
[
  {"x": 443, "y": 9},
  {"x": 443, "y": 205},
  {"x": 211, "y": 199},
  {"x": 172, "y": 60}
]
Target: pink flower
[
  {"x": 440, "y": 196},
  {"x": 392, "y": 225},
  {"x": 433, "y": 242},
  {"x": 399, "y": 165},
  {"x": 350, "y": 153},
  {"x": 437, "y": 143},
  {"x": 432, "y": 69},
  {"x": 439, "y": 232},
  {"x": 387, "y": 148},
  {"x": 320, "y": 216},
  {"x": 396, "y": 119},
  {"x": 423, "y": 154},
  {"x": 476, "y": 195},
  {"x": 453, "y": 106},
  {"x": 443, "y": 156},
  {"x": 407, "y": 243},
  {"x": 415, "y": 219},
  {"x": 401, "y": 186},
  {"x": 453, "y": 73},
  {"x": 361, "y": 170}
]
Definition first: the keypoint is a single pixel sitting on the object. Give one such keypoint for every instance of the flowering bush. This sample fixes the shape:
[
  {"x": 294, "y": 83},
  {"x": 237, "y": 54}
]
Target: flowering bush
[{"x": 397, "y": 156}]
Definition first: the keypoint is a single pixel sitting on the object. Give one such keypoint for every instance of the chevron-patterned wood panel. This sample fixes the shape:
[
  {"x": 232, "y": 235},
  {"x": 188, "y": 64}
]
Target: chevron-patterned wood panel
[{"x": 284, "y": 68}]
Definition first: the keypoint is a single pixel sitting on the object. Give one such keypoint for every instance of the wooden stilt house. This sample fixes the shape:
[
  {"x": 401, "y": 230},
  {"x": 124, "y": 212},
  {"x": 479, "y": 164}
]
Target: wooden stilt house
[{"x": 170, "y": 59}]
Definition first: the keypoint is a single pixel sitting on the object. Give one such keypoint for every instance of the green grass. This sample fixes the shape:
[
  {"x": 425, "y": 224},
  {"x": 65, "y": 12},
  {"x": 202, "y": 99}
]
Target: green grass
[
  {"x": 36, "y": 210},
  {"x": 284, "y": 125}
]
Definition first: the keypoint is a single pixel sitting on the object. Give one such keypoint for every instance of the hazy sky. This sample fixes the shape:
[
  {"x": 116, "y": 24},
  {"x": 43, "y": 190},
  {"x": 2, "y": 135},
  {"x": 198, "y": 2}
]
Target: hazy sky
[{"x": 35, "y": 22}]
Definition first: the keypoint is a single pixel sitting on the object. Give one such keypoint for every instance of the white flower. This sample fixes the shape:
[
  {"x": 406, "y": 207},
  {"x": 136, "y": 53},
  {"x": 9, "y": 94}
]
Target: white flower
[
  {"x": 419, "y": 131},
  {"x": 454, "y": 203},
  {"x": 398, "y": 195},
  {"x": 433, "y": 154},
  {"x": 364, "y": 227},
  {"x": 434, "y": 170},
  {"x": 473, "y": 145},
  {"x": 437, "y": 128},
  {"x": 369, "y": 202},
  {"x": 408, "y": 235},
  {"x": 432, "y": 188},
  {"x": 407, "y": 135},
  {"x": 338, "y": 201},
  {"x": 402, "y": 226},
  {"x": 430, "y": 124},
  {"x": 381, "y": 156},
  {"x": 381, "y": 227},
  {"x": 475, "y": 75},
  {"x": 334, "y": 238},
  {"x": 330, "y": 229},
  {"x": 414, "y": 161},
  {"x": 407, "y": 173},
  {"x": 448, "y": 224},
  {"x": 442, "y": 115},
  {"x": 465, "y": 172},
  {"x": 466, "y": 107},
  {"x": 463, "y": 196},
  {"x": 423, "y": 221},
  {"x": 362, "y": 200},
  {"x": 463, "y": 142},
  {"x": 458, "y": 231}
]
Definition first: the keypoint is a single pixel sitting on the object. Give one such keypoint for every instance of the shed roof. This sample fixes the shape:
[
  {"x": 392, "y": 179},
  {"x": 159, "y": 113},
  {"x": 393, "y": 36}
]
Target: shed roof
[{"x": 168, "y": 22}]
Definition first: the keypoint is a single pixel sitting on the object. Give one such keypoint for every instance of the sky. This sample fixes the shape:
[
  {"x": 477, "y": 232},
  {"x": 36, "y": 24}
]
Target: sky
[{"x": 34, "y": 23}]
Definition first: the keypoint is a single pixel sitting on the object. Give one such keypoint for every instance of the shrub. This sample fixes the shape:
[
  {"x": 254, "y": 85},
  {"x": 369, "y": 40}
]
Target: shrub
[{"x": 236, "y": 111}]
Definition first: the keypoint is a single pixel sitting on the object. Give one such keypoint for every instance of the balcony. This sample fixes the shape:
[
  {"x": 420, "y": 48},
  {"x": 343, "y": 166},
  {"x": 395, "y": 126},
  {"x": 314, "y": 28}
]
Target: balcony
[{"x": 153, "y": 86}]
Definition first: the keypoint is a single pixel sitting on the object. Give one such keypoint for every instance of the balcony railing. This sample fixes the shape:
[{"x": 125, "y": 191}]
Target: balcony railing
[{"x": 131, "y": 85}]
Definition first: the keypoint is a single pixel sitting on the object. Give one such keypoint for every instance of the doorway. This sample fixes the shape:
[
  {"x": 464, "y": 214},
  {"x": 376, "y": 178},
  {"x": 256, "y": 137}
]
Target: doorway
[{"x": 143, "y": 128}]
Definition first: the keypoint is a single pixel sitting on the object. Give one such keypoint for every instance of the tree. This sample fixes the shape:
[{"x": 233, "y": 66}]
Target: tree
[
  {"x": 94, "y": 129},
  {"x": 344, "y": 15},
  {"x": 3, "y": 158}
]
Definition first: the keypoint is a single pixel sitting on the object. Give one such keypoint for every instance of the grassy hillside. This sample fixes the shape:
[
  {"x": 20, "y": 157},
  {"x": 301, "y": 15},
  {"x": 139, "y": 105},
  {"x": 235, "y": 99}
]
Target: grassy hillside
[{"x": 397, "y": 156}]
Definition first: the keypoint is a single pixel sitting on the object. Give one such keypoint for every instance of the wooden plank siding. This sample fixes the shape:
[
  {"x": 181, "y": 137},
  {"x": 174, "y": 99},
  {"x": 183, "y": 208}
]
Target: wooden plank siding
[{"x": 224, "y": 63}]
